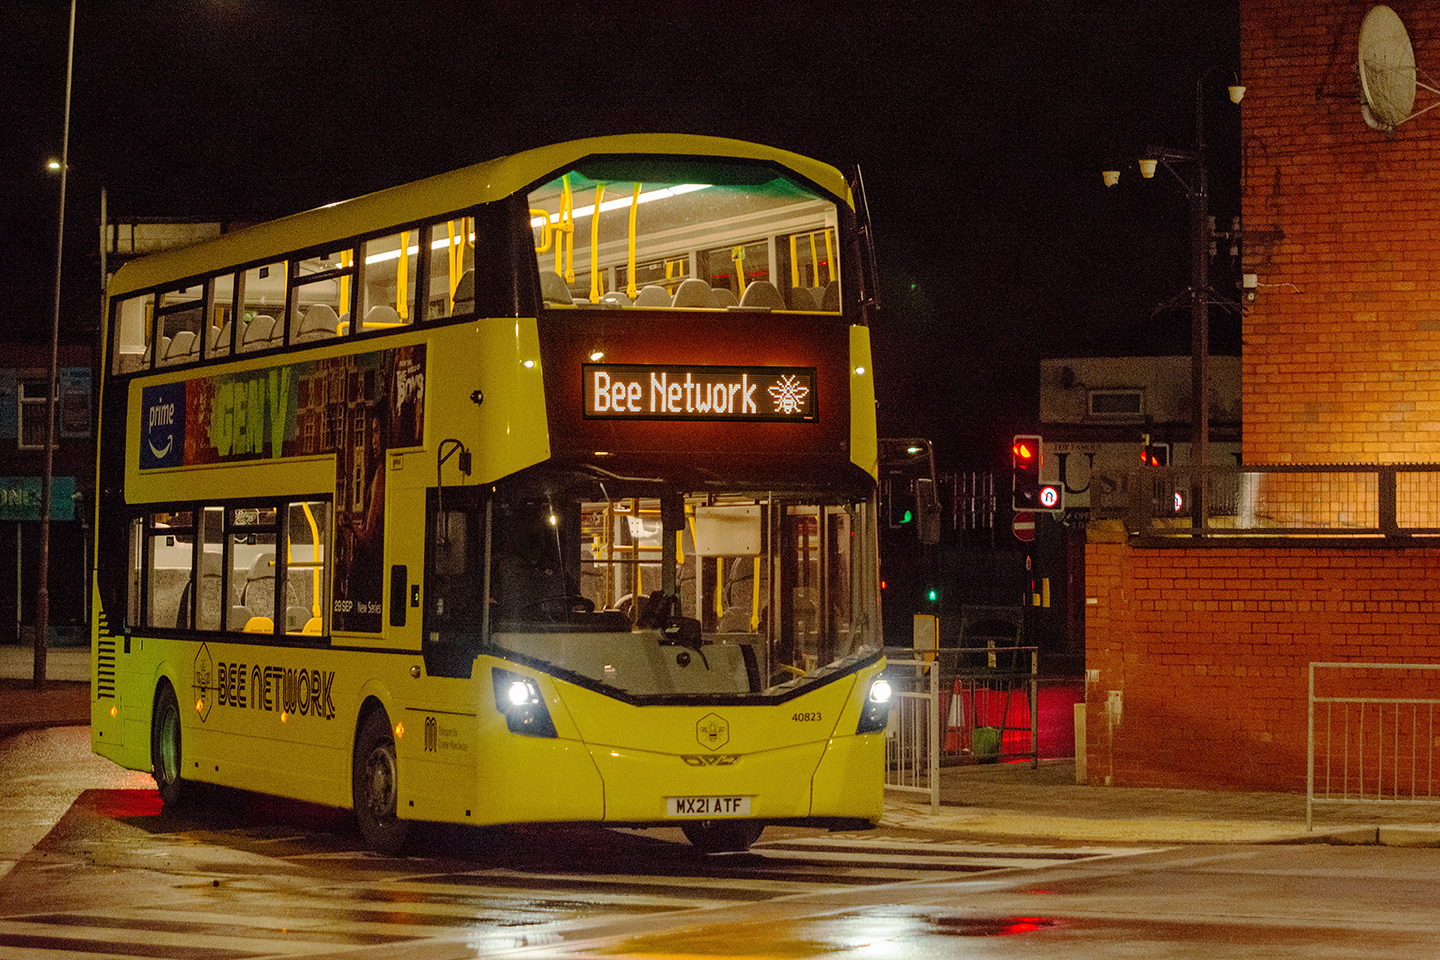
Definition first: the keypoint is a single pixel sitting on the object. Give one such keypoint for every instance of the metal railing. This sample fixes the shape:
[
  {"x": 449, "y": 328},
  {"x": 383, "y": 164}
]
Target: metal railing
[
  {"x": 1393, "y": 501},
  {"x": 955, "y": 706},
  {"x": 992, "y": 711},
  {"x": 912, "y": 738},
  {"x": 1372, "y": 736}
]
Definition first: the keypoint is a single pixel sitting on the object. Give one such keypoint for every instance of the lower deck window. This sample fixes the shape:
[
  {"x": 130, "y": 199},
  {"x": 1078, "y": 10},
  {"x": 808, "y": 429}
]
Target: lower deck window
[{"x": 259, "y": 568}]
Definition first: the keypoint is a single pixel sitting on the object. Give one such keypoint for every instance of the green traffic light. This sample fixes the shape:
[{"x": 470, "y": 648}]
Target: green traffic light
[
  {"x": 907, "y": 518},
  {"x": 933, "y": 595}
]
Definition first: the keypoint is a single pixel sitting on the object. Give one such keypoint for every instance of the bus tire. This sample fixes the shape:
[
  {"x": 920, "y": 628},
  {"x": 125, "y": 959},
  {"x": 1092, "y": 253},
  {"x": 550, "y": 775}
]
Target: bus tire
[
  {"x": 165, "y": 748},
  {"x": 375, "y": 784},
  {"x": 722, "y": 836}
]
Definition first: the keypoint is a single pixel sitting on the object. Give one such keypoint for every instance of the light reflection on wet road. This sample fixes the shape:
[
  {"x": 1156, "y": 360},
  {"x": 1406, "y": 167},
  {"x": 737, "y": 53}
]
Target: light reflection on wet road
[{"x": 255, "y": 877}]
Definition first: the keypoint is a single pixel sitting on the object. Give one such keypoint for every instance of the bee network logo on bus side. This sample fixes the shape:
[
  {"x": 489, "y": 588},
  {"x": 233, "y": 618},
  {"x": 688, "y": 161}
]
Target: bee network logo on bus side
[{"x": 162, "y": 426}]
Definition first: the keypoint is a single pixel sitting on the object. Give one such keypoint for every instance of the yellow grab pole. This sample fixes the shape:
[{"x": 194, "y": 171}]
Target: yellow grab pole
[
  {"x": 402, "y": 278},
  {"x": 451, "y": 257},
  {"x": 755, "y": 599},
  {"x": 346, "y": 259},
  {"x": 719, "y": 587},
  {"x": 547, "y": 232},
  {"x": 630, "y": 288},
  {"x": 594, "y": 246}
]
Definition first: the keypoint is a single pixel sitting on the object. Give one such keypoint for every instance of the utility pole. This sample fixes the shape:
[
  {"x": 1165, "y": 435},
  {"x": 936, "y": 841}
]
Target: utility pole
[{"x": 42, "y": 593}]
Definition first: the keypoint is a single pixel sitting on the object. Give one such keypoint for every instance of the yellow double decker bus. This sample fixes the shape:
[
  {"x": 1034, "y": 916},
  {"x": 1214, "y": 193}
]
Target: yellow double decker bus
[{"x": 539, "y": 491}]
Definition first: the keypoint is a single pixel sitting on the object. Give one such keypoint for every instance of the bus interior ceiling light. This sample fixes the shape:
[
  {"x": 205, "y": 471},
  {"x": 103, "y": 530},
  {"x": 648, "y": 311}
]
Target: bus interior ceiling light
[{"x": 622, "y": 203}]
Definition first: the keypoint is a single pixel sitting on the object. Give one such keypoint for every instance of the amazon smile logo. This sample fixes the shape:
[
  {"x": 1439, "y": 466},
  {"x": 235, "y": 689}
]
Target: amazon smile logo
[{"x": 162, "y": 423}]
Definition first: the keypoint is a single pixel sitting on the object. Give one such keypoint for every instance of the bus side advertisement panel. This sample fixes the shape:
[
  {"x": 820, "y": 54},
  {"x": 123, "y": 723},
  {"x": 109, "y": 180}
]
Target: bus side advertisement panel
[{"x": 354, "y": 407}]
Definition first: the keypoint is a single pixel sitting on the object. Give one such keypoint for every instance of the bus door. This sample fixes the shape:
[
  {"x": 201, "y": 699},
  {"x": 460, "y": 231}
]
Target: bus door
[{"x": 456, "y": 601}]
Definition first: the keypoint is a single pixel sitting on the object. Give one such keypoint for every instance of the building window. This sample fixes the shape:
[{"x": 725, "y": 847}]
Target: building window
[
  {"x": 1117, "y": 405},
  {"x": 33, "y": 395}
]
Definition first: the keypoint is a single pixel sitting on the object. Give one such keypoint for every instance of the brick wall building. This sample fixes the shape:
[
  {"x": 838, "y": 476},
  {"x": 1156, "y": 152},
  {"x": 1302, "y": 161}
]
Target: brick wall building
[
  {"x": 1342, "y": 231},
  {"x": 1197, "y": 655}
]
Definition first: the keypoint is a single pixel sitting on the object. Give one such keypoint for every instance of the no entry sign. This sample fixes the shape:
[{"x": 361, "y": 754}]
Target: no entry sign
[{"x": 1024, "y": 526}]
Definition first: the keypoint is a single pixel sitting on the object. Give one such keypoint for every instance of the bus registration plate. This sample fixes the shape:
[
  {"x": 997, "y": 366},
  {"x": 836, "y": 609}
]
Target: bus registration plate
[{"x": 707, "y": 806}]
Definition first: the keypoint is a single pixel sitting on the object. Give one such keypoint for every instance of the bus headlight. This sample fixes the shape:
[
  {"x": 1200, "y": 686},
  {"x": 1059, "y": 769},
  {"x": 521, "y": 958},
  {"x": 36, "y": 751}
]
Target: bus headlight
[
  {"x": 876, "y": 712},
  {"x": 518, "y": 698}
]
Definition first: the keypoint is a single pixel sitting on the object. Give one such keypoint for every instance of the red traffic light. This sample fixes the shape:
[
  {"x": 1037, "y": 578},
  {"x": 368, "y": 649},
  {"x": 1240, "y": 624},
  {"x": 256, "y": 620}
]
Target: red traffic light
[{"x": 1023, "y": 448}]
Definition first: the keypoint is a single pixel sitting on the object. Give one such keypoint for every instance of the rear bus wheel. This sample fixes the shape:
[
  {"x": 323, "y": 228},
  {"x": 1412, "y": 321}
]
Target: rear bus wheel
[
  {"x": 722, "y": 836},
  {"x": 375, "y": 785},
  {"x": 165, "y": 751}
]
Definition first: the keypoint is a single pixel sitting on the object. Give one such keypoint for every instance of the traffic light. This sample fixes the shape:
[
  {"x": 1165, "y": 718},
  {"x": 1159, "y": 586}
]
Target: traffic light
[
  {"x": 1155, "y": 454},
  {"x": 1025, "y": 472}
]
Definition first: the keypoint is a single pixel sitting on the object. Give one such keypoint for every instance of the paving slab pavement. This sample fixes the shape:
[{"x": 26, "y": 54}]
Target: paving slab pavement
[{"x": 1014, "y": 802}]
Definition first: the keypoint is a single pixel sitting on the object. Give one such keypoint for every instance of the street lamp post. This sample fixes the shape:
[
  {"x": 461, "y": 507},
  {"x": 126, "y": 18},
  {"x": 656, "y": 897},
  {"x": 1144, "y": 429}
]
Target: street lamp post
[
  {"x": 1198, "y": 195},
  {"x": 42, "y": 592}
]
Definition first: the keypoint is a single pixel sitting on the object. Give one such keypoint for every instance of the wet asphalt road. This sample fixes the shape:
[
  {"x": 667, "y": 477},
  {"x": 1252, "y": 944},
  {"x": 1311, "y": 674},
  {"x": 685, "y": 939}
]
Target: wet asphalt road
[{"x": 94, "y": 868}]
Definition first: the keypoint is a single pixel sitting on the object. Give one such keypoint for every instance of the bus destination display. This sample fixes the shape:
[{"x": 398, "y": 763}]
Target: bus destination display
[{"x": 670, "y": 392}]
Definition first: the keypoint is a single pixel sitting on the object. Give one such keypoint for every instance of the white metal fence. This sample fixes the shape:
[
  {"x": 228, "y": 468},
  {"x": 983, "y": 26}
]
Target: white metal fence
[
  {"x": 1373, "y": 735},
  {"x": 912, "y": 739}
]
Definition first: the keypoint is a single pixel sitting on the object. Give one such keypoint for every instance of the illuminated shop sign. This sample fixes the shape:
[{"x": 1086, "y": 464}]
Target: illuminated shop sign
[{"x": 634, "y": 391}]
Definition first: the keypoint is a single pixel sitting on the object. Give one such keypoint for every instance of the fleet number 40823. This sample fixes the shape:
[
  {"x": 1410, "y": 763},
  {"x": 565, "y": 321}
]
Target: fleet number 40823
[{"x": 806, "y": 717}]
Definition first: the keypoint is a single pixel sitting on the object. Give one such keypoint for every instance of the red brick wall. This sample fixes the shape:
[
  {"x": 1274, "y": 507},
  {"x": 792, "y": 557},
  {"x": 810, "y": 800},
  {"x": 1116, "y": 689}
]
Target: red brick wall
[
  {"x": 1208, "y": 652},
  {"x": 1342, "y": 229}
]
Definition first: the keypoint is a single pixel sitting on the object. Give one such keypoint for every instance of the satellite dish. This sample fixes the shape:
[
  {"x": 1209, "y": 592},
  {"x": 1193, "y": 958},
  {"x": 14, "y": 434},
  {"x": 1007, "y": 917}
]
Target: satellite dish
[{"x": 1387, "y": 71}]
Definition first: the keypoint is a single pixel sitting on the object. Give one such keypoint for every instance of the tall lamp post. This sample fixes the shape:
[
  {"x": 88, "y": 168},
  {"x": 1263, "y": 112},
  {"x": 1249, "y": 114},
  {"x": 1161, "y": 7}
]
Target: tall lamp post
[
  {"x": 1197, "y": 192},
  {"x": 42, "y": 592}
]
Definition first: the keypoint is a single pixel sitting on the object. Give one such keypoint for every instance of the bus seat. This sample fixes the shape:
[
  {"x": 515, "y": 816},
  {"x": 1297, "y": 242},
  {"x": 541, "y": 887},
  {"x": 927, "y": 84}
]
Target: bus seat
[
  {"x": 312, "y": 627},
  {"x": 722, "y": 297},
  {"x": 209, "y": 600},
  {"x": 616, "y": 297},
  {"x": 830, "y": 299},
  {"x": 382, "y": 316},
  {"x": 260, "y": 575},
  {"x": 319, "y": 323},
  {"x": 692, "y": 293},
  {"x": 762, "y": 294},
  {"x": 164, "y": 349},
  {"x": 259, "y": 625},
  {"x": 257, "y": 334},
  {"x": 465, "y": 293},
  {"x": 653, "y": 296},
  {"x": 801, "y": 299},
  {"x": 553, "y": 289},
  {"x": 296, "y": 618},
  {"x": 220, "y": 343},
  {"x": 239, "y": 616},
  {"x": 178, "y": 349}
]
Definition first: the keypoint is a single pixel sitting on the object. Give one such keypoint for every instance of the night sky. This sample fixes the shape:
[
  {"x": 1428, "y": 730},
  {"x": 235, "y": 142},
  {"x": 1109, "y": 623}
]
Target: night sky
[{"x": 980, "y": 128}]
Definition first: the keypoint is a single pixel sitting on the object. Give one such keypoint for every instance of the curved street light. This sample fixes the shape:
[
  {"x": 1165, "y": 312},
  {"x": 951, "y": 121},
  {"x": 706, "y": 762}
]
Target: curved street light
[{"x": 1197, "y": 192}]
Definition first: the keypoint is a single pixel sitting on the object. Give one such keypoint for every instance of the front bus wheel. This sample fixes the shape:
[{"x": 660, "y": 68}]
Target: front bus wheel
[
  {"x": 375, "y": 785},
  {"x": 165, "y": 745},
  {"x": 722, "y": 836}
]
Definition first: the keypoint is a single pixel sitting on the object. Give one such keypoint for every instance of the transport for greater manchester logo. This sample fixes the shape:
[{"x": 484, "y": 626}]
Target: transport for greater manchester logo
[{"x": 712, "y": 731}]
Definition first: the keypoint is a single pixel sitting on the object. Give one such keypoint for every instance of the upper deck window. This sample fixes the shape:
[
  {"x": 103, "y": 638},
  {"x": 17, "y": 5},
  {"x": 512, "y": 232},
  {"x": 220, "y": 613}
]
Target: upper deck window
[{"x": 684, "y": 233}]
